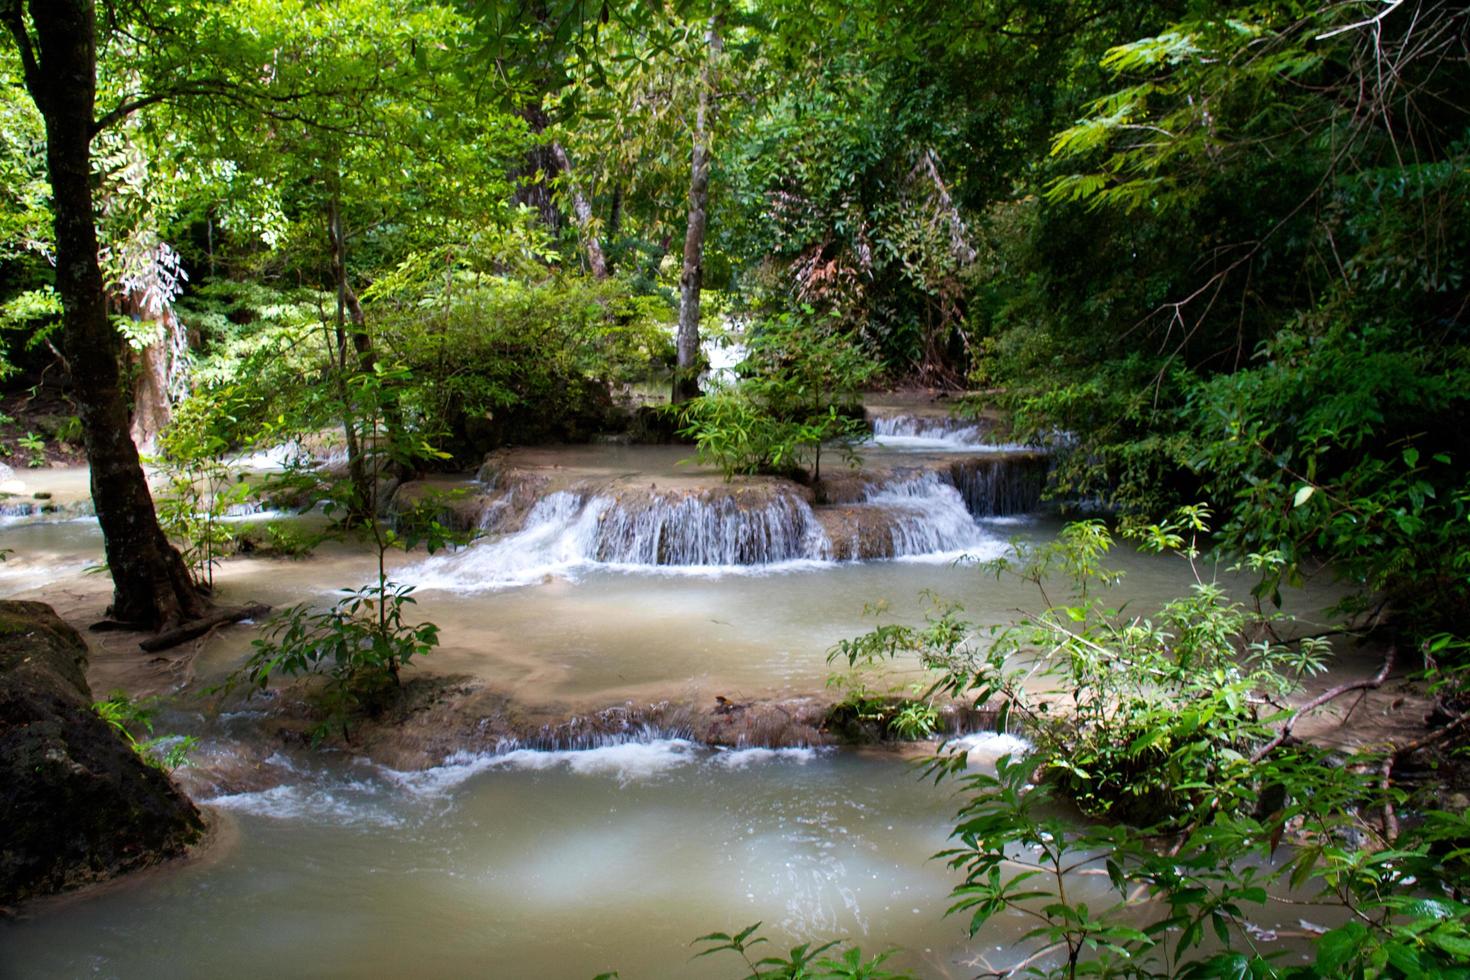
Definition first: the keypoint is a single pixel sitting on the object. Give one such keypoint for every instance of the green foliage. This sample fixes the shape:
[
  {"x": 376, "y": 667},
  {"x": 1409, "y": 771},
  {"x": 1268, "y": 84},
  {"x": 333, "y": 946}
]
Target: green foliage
[
  {"x": 291, "y": 542},
  {"x": 501, "y": 360},
  {"x": 361, "y": 643},
  {"x": 1215, "y": 301},
  {"x": 198, "y": 491},
  {"x": 826, "y": 961},
  {"x": 864, "y": 714},
  {"x": 1165, "y": 727},
  {"x": 128, "y": 718},
  {"x": 1337, "y": 446},
  {"x": 35, "y": 446},
  {"x": 798, "y": 393},
  {"x": 490, "y": 359}
]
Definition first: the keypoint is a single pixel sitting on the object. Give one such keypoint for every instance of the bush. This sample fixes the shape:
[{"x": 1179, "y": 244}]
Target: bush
[
  {"x": 798, "y": 393},
  {"x": 1167, "y": 730},
  {"x": 508, "y": 361}
]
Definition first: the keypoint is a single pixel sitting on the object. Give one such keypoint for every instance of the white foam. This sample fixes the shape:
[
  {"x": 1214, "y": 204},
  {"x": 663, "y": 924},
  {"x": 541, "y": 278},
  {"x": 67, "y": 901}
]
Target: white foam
[
  {"x": 922, "y": 433},
  {"x": 626, "y": 761},
  {"x": 567, "y": 534},
  {"x": 984, "y": 748},
  {"x": 745, "y": 758},
  {"x": 929, "y": 519},
  {"x": 1010, "y": 520},
  {"x": 342, "y": 805},
  {"x": 558, "y": 534}
]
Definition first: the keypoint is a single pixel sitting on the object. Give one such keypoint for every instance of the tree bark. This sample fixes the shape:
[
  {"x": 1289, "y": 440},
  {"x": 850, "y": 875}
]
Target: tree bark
[
  {"x": 691, "y": 279},
  {"x": 533, "y": 178},
  {"x": 151, "y": 586},
  {"x": 192, "y": 630},
  {"x": 348, "y": 306},
  {"x": 152, "y": 403},
  {"x": 582, "y": 209}
]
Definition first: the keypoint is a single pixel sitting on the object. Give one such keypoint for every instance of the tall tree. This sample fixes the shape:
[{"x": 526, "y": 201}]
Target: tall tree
[
  {"x": 58, "y": 52},
  {"x": 691, "y": 279}
]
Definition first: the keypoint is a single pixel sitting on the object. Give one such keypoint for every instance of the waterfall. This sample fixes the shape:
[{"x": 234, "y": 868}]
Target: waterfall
[
  {"x": 915, "y": 513},
  {"x": 936, "y": 434},
  {"x": 14, "y": 511},
  {"x": 925, "y": 516},
  {"x": 959, "y": 433},
  {"x": 566, "y": 530},
  {"x": 709, "y": 530},
  {"x": 999, "y": 486}
]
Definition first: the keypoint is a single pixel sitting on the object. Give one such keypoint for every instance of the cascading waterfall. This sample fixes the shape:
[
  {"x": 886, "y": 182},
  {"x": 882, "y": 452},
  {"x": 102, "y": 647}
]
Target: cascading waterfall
[
  {"x": 688, "y": 530},
  {"x": 930, "y": 428},
  {"x": 935, "y": 434},
  {"x": 917, "y": 513},
  {"x": 925, "y": 516},
  {"x": 18, "y": 510},
  {"x": 1002, "y": 485},
  {"x": 565, "y": 530}
]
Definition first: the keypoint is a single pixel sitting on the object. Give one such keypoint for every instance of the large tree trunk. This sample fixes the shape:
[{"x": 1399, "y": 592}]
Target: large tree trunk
[
  {"x": 151, "y": 586},
  {"x": 582, "y": 209},
  {"x": 691, "y": 279},
  {"x": 533, "y": 178}
]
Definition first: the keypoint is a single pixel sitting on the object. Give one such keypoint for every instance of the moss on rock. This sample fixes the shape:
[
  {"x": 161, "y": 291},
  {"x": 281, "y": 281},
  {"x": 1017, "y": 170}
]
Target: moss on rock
[{"x": 76, "y": 803}]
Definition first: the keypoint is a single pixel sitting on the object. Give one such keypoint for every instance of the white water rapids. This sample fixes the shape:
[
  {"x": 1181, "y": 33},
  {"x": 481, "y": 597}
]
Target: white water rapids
[{"x": 567, "y": 532}]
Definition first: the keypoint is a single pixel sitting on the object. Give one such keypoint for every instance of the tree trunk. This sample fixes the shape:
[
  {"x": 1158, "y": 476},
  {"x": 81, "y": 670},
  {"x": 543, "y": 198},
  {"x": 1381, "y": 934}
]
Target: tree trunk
[
  {"x": 151, "y": 586},
  {"x": 582, "y": 209},
  {"x": 152, "y": 399},
  {"x": 533, "y": 178},
  {"x": 615, "y": 213},
  {"x": 348, "y": 305},
  {"x": 691, "y": 280}
]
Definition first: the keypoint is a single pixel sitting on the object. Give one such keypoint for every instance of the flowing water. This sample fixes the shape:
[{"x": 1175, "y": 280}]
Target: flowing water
[{"x": 615, "y": 855}]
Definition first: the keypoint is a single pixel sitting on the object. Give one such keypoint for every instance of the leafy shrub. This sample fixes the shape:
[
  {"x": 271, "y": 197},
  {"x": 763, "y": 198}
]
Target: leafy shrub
[
  {"x": 126, "y": 716},
  {"x": 361, "y": 643},
  {"x": 798, "y": 393},
  {"x": 508, "y": 361},
  {"x": 1165, "y": 727},
  {"x": 803, "y": 962}
]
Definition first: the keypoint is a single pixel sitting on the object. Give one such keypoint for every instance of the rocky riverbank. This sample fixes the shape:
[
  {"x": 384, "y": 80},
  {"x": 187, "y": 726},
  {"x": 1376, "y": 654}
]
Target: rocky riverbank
[{"x": 77, "y": 803}]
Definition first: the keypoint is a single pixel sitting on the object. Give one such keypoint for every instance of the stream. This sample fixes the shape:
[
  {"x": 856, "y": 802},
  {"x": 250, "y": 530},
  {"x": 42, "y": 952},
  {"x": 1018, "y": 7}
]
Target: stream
[{"x": 614, "y": 855}]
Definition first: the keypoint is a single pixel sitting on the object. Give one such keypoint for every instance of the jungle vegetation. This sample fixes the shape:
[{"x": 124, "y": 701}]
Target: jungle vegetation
[{"x": 1212, "y": 254}]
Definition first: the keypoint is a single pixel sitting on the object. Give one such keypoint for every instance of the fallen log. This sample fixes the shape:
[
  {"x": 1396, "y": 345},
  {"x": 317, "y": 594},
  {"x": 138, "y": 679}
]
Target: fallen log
[{"x": 198, "y": 627}]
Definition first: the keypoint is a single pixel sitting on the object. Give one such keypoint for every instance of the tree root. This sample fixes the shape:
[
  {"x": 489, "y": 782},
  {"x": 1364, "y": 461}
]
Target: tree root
[{"x": 198, "y": 627}]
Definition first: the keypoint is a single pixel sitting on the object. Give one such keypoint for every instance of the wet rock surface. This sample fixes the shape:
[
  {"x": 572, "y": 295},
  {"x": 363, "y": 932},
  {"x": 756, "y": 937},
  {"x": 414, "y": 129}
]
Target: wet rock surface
[
  {"x": 76, "y": 803},
  {"x": 439, "y": 718}
]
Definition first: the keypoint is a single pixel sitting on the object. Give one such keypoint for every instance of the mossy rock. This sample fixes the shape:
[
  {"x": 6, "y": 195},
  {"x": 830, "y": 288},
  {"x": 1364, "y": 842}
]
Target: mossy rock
[{"x": 77, "y": 804}]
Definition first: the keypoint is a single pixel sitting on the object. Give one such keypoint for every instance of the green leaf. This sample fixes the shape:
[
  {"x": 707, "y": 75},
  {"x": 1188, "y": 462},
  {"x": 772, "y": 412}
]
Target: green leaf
[{"x": 1339, "y": 946}]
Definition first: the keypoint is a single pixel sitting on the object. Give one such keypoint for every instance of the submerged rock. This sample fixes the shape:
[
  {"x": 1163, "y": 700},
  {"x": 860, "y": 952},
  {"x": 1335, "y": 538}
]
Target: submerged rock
[{"x": 77, "y": 804}]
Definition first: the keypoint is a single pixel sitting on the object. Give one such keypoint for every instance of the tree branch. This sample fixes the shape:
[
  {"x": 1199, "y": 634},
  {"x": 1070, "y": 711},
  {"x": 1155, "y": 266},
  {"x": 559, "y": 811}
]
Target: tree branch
[
  {"x": 1385, "y": 772},
  {"x": 1369, "y": 22},
  {"x": 220, "y": 88},
  {"x": 10, "y": 13},
  {"x": 1371, "y": 683}
]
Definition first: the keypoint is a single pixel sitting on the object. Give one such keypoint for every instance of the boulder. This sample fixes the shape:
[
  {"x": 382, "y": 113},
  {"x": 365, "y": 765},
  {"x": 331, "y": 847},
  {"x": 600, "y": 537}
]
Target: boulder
[{"x": 77, "y": 804}]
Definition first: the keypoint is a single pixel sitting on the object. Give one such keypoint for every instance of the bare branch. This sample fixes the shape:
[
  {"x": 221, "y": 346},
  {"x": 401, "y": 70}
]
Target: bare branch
[
  {"x": 1370, "y": 22},
  {"x": 1371, "y": 683}
]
